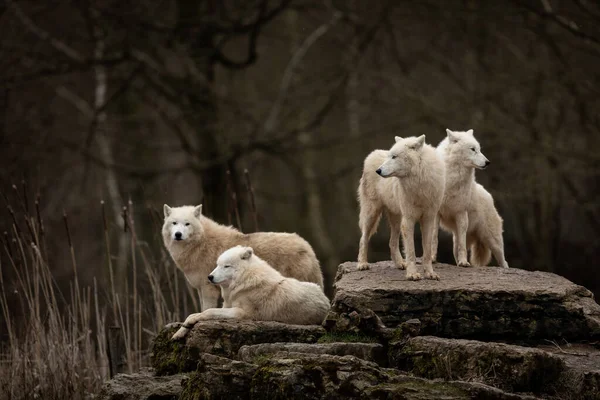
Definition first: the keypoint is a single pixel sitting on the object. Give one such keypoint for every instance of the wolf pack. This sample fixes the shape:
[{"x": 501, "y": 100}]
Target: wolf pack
[{"x": 276, "y": 276}]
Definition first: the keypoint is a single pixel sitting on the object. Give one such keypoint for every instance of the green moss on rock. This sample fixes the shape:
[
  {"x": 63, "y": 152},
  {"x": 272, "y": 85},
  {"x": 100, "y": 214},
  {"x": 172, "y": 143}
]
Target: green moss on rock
[
  {"x": 172, "y": 357},
  {"x": 347, "y": 337},
  {"x": 508, "y": 367}
]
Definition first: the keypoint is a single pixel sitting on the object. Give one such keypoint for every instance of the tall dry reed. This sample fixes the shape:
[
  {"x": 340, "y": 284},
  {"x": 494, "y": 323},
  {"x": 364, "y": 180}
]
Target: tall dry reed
[{"x": 56, "y": 343}]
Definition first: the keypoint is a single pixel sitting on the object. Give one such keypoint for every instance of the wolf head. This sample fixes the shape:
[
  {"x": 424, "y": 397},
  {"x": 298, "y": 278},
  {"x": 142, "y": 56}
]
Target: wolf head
[
  {"x": 229, "y": 264},
  {"x": 182, "y": 224},
  {"x": 463, "y": 148},
  {"x": 403, "y": 157}
]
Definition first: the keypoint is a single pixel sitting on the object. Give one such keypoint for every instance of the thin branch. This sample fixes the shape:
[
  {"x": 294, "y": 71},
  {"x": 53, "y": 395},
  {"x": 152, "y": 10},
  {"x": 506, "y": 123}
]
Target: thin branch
[
  {"x": 63, "y": 69},
  {"x": 186, "y": 144},
  {"x": 251, "y": 57},
  {"x": 560, "y": 20},
  {"x": 43, "y": 35},
  {"x": 241, "y": 29},
  {"x": 273, "y": 118},
  {"x": 75, "y": 100}
]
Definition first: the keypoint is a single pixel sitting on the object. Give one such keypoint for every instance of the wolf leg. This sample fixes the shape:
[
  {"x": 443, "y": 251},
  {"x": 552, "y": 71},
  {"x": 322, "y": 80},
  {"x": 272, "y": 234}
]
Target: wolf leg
[
  {"x": 210, "y": 296},
  {"x": 434, "y": 238},
  {"x": 408, "y": 238},
  {"x": 395, "y": 220},
  {"x": 497, "y": 247},
  {"x": 427, "y": 232},
  {"x": 369, "y": 219},
  {"x": 460, "y": 238},
  {"x": 211, "y": 313}
]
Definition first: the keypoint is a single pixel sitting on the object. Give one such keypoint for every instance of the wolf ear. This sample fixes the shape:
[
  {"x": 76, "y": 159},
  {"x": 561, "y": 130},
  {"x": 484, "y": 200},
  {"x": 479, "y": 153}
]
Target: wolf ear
[
  {"x": 167, "y": 210},
  {"x": 420, "y": 142},
  {"x": 198, "y": 211},
  {"x": 452, "y": 136},
  {"x": 470, "y": 132},
  {"x": 247, "y": 254},
  {"x": 397, "y": 138}
]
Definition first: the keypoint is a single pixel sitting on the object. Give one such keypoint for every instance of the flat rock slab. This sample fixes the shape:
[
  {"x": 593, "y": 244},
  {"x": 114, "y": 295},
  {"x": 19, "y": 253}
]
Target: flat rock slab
[
  {"x": 488, "y": 302},
  {"x": 143, "y": 385},
  {"x": 582, "y": 376},
  {"x": 311, "y": 376},
  {"x": 508, "y": 367},
  {"x": 373, "y": 352},
  {"x": 222, "y": 338}
]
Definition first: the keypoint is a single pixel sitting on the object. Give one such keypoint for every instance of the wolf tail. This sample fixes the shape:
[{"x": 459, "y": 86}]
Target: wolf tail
[{"x": 481, "y": 255}]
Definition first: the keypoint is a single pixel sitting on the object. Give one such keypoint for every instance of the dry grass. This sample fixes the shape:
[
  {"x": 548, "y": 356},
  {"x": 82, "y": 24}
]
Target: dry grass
[
  {"x": 56, "y": 346},
  {"x": 56, "y": 342}
]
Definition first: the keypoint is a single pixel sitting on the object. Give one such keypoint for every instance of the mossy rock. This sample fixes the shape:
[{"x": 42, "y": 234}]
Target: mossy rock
[
  {"x": 172, "y": 357},
  {"x": 509, "y": 367},
  {"x": 219, "y": 378},
  {"x": 374, "y": 352},
  {"x": 347, "y": 337},
  {"x": 223, "y": 338},
  {"x": 309, "y": 376}
]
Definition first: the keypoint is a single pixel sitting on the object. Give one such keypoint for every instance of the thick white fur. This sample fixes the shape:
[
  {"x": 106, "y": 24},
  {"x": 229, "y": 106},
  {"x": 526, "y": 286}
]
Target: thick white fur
[
  {"x": 468, "y": 210},
  {"x": 408, "y": 189},
  {"x": 257, "y": 291},
  {"x": 203, "y": 240}
]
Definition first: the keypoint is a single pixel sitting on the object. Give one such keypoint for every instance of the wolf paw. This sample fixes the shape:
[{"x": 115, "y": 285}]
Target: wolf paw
[
  {"x": 414, "y": 276},
  {"x": 463, "y": 264},
  {"x": 180, "y": 334},
  {"x": 363, "y": 266},
  {"x": 400, "y": 265},
  {"x": 432, "y": 275}
]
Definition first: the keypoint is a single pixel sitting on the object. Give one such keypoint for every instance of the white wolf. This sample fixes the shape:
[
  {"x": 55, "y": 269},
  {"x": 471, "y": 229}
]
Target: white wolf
[
  {"x": 259, "y": 292},
  {"x": 407, "y": 183},
  {"x": 468, "y": 209},
  {"x": 195, "y": 241}
]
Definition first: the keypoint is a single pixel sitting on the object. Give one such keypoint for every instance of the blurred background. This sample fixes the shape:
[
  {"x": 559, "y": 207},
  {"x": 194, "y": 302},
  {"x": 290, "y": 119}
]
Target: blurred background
[{"x": 141, "y": 103}]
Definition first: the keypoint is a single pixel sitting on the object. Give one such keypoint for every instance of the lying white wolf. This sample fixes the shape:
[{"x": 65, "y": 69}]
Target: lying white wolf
[
  {"x": 195, "y": 241},
  {"x": 468, "y": 209},
  {"x": 257, "y": 291},
  {"x": 407, "y": 183}
]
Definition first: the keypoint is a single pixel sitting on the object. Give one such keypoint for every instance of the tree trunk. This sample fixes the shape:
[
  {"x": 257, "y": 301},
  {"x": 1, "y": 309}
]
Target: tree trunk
[
  {"x": 314, "y": 204},
  {"x": 105, "y": 147},
  {"x": 213, "y": 180}
]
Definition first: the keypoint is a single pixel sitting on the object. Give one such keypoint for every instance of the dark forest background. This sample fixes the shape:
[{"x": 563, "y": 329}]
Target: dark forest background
[{"x": 141, "y": 103}]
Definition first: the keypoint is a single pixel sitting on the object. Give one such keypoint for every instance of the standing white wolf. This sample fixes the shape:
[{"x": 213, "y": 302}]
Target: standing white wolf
[
  {"x": 195, "y": 242},
  {"x": 258, "y": 292},
  {"x": 407, "y": 183},
  {"x": 468, "y": 209}
]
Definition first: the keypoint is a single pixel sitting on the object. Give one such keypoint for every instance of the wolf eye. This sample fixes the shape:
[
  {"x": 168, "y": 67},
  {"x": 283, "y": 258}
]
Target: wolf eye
[
  {"x": 226, "y": 266},
  {"x": 174, "y": 223},
  {"x": 187, "y": 224},
  {"x": 394, "y": 156},
  {"x": 473, "y": 148}
]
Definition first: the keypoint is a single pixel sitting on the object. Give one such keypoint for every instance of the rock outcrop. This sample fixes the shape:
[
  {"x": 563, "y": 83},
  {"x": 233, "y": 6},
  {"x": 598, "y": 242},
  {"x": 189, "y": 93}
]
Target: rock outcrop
[
  {"x": 509, "y": 367},
  {"x": 222, "y": 338},
  {"x": 479, "y": 333},
  {"x": 477, "y": 303},
  {"x": 144, "y": 385},
  {"x": 373, "y": 352},
  {"x": 309, "y": 376}
]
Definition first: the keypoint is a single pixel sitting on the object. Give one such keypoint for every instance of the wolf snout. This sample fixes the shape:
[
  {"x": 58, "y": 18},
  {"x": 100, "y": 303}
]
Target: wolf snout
[
  {"x": 210, "y": 278},
  {"x": 378, "y": 171},
  {"x": 178, "y": 235},
  {"x": 487, "y": 162}
]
